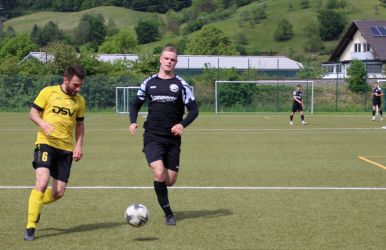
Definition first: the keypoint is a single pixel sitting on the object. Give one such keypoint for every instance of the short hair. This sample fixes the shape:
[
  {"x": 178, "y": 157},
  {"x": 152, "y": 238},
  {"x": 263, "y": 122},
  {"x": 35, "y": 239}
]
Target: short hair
[
  {"x": 74, "y": 70},
  {"x": 169, "y": 48},
  {"x": 299, "y": 85}
]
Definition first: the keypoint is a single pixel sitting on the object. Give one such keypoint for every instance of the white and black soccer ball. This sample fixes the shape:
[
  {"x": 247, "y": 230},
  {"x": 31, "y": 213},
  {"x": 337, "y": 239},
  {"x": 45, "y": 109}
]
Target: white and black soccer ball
[{"x": 136, "y": 215}]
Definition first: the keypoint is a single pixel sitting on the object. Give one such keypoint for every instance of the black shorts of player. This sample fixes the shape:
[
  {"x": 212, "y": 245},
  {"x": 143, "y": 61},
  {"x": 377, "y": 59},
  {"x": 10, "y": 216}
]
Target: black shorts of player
[
  {"x": 56, "y": 160},
  {"x": 297, "y": 107},
  {"x": 377, "y": 102},
  {"x": 165, "y": 148}
]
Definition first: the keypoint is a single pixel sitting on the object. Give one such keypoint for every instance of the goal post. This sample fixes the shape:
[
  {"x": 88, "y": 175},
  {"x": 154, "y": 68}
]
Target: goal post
[
  {"x": 261, "y": 95},
  {"x": 124, "y": 97}
]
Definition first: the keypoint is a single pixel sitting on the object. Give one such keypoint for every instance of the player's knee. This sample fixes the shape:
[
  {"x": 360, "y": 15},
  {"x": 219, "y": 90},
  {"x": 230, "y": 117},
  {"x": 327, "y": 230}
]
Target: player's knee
[
  {"x": 170, "y": 183},
  {"x": 57, "y": 194}
]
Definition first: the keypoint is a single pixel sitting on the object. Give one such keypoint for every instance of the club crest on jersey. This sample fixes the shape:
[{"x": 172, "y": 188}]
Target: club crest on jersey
[{"x": 173, "y": 87}]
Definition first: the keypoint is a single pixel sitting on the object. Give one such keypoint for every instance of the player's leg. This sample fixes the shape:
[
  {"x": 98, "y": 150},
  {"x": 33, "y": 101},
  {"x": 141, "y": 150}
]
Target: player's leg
[
  {"x": 292, "y": 114},
  {"x": 374, "y": 110},
  {"x": 60, "y": 175},
  {"x": 54, "y": 193},
  {"x": 35, "y": 202},
  {"x": 44, "y": 157},
  {"x": 380, "y": 111},
  {"x": 302, "y": 117},
  {"x": 160, "y": 187}
]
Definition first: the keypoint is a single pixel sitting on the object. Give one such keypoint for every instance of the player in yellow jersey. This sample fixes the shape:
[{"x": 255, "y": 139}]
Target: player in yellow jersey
[{"x": 58, "y": 111}]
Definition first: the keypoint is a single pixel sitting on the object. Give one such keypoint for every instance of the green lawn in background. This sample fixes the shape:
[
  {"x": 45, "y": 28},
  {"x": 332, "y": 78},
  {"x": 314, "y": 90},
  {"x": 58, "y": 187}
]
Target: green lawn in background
[{"x": 246, "y": 181}]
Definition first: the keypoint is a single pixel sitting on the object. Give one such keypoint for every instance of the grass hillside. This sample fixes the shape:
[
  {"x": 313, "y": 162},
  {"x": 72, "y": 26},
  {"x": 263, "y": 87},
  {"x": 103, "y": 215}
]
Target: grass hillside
[
  {"x": 67, "y": 21},
  {"x": 260, "y": 36}
]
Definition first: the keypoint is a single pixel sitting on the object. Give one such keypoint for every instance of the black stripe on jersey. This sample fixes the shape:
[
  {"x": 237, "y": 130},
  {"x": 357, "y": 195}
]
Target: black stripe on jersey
[{"x": 37, "y": 107}]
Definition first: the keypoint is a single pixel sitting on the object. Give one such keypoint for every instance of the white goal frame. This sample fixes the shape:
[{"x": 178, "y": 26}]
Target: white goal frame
[
  {"x": 267, "y": 82},
  {"x": 126, "y": 98}
]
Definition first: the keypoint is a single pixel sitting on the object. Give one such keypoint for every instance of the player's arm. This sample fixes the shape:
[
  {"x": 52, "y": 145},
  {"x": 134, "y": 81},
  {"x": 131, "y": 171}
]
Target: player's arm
[
  {"x": 79, "y": 135},
  {"x": 36, "y": 116},
  {"x": 192, "y": 108},
  {"x": 134, "y": 110},
  {"x": 296, "y": 100}
]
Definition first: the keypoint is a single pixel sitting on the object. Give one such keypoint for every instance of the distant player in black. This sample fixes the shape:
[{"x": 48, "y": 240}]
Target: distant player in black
[
  {"x": 167, "y": 95},
  {"x": 297, "y": 104},
  {"x": 377, "y": 101}
]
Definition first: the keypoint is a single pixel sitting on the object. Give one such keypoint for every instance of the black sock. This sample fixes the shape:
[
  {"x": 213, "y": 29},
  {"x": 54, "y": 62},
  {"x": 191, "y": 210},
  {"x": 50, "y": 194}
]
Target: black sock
[
  {"x": 380, "y": 112},
  {"x": 291, "y": 117},
  {"x": 373, "y": 112},
  {"x": 162, "y": 195},
  {"x": 302, "y": 116}
]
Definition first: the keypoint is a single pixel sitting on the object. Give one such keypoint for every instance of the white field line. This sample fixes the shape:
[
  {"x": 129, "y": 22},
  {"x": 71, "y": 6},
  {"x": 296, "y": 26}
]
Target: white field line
[
  {"x": 215, "y": 188},
  {"x": 213, "y": 129}
]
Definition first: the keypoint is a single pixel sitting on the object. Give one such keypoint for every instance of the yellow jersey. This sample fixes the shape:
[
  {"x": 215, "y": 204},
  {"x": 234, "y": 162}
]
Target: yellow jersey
[{"x": 62, "y": 111}]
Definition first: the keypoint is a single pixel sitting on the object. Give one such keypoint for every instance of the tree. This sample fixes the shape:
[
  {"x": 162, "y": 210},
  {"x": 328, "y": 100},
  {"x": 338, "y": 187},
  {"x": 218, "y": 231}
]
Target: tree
[
  {"x": 284, "y": 30},
  {"x": 331, "y": 24},
  {"x": 147, "y": 31},
  {"x": 211, "y": 41},
  {"x": 91, "y": 29},
  {"x": 63, "y": 54},
  {"x": 49, "y": 33},
  {"x": 111, "y": 28},
  {"x": 357, "y": 77},
  {"x": 18, "y": 46},
  {"x": 122, "y": 42},
  {"x": 305, "y": 4}
]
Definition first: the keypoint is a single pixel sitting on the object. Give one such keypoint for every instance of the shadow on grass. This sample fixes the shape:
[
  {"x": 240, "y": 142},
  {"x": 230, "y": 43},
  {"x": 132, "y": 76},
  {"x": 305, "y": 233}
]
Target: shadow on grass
[
  {"x": 79, "y": 229},
  {"x": 181, "y": 215},
  {"x": 146, "y": 239}
]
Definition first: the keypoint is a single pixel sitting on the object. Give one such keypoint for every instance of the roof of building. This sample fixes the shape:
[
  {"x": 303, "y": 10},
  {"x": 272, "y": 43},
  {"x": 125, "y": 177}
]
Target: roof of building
[
  {"x": 376, "y": 40},
  {"x": 202, "y": 61}
]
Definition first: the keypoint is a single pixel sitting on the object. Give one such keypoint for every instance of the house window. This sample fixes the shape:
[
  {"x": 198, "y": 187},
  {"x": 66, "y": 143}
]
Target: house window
[
  {"x": 374, "y": 68},
  {"x": 366, "y": 47},
  {"x": 338, "y": 68},
  {"x": 328, "y": 69},
  {"x": 357, "y": 47}
]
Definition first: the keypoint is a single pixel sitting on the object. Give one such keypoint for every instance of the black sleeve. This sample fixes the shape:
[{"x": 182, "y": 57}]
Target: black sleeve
[
  {"x": 192, "y": 113},
  {"x": 134, "y": 109}
]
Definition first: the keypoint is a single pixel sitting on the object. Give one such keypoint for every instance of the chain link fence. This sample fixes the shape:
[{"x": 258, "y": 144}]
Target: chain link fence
[{"x": 18, "y": 92}]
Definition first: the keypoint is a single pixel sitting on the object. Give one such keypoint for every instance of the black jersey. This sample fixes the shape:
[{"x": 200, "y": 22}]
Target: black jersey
[
  {"x": 167, "y": 99},
  {"x": 377, "y": 90},
  {"x": 298, "y": 95}
]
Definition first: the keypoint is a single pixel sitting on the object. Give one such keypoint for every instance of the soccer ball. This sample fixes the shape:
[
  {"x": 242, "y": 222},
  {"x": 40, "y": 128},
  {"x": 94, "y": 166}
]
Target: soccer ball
[{"x": 136, "y": 215}]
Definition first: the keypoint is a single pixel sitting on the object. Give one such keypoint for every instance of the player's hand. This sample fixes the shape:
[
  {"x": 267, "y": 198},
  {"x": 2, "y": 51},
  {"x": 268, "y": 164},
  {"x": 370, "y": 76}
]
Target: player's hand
[
  {"x": 133, "y": 128},
  {"x": 47, "y": 128},
  {"x": 77, "y": 154},
  {"x": 177, "y": 129}
]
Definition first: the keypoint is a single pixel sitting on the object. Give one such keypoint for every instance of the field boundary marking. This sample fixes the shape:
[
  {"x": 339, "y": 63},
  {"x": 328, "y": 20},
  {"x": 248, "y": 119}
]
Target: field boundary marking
[
  {"x": 208, "y": 129},
  {"x": 372, "y": 162},
  {"x": 214, "y": 188}
]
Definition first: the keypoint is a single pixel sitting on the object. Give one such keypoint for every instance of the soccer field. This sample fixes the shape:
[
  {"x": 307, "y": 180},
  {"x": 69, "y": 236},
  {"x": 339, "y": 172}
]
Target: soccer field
[{"x": 246, "y": 182}]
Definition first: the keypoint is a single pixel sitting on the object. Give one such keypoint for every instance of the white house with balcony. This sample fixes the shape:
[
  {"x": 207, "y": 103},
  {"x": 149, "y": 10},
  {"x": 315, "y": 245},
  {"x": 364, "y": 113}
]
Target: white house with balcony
[{"x": 364, "y": 41}]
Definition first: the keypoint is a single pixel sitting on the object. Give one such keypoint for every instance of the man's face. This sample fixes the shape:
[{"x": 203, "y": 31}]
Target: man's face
[
  {"x": 168, "y": 61},
  {"x": 72, "y": 86}
]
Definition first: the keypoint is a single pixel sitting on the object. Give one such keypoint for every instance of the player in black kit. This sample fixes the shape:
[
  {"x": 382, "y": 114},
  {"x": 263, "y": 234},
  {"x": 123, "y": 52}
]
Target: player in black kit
[
  {"x": 167, "y": 95},
  {"x": 377, "y": 101},
  {"x": 297, "y": 104}
]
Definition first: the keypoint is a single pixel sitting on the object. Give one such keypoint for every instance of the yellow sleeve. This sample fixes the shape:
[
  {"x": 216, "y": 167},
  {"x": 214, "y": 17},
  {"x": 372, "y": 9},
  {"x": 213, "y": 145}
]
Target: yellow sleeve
[
  {"x": 82, "y": 110},
  {"x": 41, "y": 99}
]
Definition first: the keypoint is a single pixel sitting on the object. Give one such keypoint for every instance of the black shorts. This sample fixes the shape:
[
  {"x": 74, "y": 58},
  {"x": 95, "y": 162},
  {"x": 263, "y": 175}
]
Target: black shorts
[
  {"x": 297, "y": 107},
  {"x": 58, "y": 161},
  {"x": 377, "y": 102},
  {"x": 165, "y": 148}
]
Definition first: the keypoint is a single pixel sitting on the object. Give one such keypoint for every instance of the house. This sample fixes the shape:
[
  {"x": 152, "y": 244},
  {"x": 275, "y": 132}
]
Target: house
[
  {"x": 365, "y": 41},
  {"x": 193, "y": 64}
]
